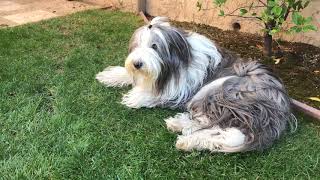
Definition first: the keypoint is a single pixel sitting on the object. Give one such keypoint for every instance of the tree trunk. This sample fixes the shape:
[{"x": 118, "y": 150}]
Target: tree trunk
[
  {"x": 268, "y": 38},
  {"x": 267, "y": 44}
]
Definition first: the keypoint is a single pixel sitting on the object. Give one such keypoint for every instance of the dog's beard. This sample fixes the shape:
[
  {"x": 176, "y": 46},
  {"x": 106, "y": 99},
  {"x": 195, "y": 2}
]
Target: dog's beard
[{"x": 146, "y": 76}]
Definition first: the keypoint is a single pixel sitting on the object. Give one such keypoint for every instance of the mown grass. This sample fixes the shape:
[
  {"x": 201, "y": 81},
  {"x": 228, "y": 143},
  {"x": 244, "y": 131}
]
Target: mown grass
[{"x": 57, "y": 122}]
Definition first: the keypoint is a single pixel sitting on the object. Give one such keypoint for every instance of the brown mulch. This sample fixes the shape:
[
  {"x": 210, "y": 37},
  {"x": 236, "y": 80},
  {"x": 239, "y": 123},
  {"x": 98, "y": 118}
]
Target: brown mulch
[{"x": 299, "y": 63}]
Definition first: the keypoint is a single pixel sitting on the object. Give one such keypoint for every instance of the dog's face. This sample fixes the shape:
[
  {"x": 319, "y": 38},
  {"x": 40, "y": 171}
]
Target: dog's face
[{"x": 157, "y": 53}]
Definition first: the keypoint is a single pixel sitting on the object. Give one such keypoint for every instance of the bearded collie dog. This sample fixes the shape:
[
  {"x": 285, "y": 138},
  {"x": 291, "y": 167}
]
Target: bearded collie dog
[{"x": 230, "y": 104}]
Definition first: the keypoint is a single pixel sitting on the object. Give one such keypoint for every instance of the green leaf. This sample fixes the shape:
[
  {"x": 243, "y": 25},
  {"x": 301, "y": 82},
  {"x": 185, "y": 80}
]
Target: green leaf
[
  {"x": 253, "y": 14},
  {"x": 299, "y": 29},
  {"x": 276, "y": 10},
  {"x": 300, "y": 6},
  {"x": 307, "y": 20},
  {"x": 309, "y": 27},
  {"x": 274, "y": 31},
  {"x": 243, "y": 12},
  {"x": 297, "y": 18},
  {"x": 219, "y": 2},
  {"x": 221, "y": 13},
  {"x": 284, "y": 10},
  {"x": 297, "y": 5},
  {"x": 266, "y": 17},
  {"x": 271, "y": 3},
  {"x": 306, "y": 4},
  {"x": 280, "y": 20},
  {"x": 296, "y": 29},
  {"x": 290, "y": 3}
]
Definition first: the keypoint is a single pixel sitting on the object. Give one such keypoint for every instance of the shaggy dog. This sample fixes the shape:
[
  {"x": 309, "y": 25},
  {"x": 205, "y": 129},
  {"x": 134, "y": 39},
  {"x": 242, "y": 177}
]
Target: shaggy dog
[{"x": 231, "y": 105}]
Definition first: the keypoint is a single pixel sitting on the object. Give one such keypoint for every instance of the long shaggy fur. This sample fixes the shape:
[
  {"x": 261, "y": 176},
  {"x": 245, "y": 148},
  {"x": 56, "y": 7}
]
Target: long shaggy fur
[
  {"x": 232, "y": 105},
  {"x": 253, "y": 100}
]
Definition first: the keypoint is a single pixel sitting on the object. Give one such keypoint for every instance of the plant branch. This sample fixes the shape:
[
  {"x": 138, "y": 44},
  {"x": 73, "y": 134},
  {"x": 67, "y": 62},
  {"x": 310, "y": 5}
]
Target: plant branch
[
  {"x": 245, "y": 17},
  {"x": 243, "y": 8},
  {"x": 264, "y": 4},
  {"x": 235, "y": 10},
  {"x": 287, "y": 14},
  {"x": 207, "y": 9}
]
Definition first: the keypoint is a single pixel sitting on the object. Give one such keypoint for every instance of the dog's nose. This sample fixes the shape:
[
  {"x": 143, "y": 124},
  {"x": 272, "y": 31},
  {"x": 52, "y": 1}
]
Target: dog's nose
[{"x": 138, "y": 65}]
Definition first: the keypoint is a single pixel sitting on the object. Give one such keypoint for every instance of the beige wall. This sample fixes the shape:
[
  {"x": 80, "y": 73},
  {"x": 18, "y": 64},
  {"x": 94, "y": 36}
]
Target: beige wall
[
  {"x": 186, "y": 10},
  {"x": 125, "y": 5}
]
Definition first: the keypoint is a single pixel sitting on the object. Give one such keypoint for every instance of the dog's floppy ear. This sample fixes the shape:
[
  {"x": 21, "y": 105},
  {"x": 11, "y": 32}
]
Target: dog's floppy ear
[{"x": 163, "y": 21}]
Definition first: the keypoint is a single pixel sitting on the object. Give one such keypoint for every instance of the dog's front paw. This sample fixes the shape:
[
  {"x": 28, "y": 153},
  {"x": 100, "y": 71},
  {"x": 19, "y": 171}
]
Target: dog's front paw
[
  {"x": 178, "y": 122},
  {"x": 183, "y": 143},
  {"x": 130, "y": 101},
  {"x": 173, "y": 124},
  {"x": 137, "y": 98},
  {"x": 114, "y": 76}
]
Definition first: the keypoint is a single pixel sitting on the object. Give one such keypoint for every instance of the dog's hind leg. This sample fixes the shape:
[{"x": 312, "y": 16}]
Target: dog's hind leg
[
  {"x": 114, "y": 76},
  {"x": 198, "y": 134},
  {"x": 214, "y": 139}
]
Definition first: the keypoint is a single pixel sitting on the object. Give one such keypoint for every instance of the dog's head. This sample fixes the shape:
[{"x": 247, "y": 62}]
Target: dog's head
[{"x": 157, "y": 53}]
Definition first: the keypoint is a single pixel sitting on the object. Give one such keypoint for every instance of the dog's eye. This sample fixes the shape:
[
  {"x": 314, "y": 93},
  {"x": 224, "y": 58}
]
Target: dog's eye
[{"x": 154, "y": 46}]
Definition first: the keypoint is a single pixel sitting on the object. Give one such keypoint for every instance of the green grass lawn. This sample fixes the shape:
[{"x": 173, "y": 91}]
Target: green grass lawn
[{"x": 57, "y": 121}]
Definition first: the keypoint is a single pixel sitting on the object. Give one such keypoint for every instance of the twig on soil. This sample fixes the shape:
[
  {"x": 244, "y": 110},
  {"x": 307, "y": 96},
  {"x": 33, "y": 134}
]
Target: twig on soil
[
  {"x": 107, "y": 7},
  {"x": 264, "y": 4}
]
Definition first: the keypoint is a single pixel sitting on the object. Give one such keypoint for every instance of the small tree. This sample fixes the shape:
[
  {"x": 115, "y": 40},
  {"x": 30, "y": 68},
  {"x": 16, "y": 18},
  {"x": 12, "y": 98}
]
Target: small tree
[{"x": 272, "y": 13}]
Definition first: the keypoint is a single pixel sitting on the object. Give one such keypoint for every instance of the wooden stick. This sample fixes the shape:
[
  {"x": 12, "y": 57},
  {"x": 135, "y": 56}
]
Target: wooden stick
[
  {"x": 311, "y": 111},
  {"x": 145, "y": 19}
]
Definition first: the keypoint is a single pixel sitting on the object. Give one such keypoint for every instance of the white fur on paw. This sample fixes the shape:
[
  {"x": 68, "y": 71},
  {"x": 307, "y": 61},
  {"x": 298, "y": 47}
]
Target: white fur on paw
[
  {"x": 233, "y": 137},
  {"x": 178, "y": 122},
  {"x": 183, "y": 144},
  {"x": 114, "y": 77},
  {"x": 173, "y": 125},
  {"x": 190, "y": 129},
  {"x": 187, "y": 131},
  {"x": 129, "y": 101},
  {"x": 137, "y": 98}
]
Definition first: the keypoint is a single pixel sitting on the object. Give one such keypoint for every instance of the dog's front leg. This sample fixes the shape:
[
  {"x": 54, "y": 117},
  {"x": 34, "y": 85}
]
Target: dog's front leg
[
  {"x": 114, "y": 76},
  {"x": 138, "y": 97}
]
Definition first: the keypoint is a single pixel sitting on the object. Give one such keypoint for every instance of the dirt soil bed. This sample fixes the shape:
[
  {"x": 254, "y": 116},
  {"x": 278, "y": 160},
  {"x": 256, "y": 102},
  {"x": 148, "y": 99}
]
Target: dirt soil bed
[{"x": 299, "y": 63}]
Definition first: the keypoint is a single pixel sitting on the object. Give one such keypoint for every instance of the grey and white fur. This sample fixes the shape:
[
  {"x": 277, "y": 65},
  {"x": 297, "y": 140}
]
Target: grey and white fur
[{"x": 231, "y": 105}]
